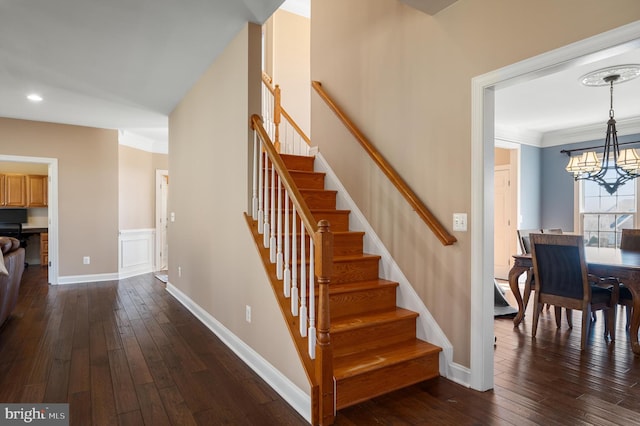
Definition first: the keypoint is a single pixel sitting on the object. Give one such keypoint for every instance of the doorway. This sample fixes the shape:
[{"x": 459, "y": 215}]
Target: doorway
[
  {"x": 482, "y": 165},
  {"x": 505, "y": 210},
  {"x": 52, "y": 208},
  {"x": 162, "y": 244}
]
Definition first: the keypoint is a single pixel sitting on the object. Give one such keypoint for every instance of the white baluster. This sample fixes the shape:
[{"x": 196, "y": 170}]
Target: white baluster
[
  {"x": 266, "y": 201},
  {"x": 254, "y": 191},
  {"x": 279, "y": 256},
  {"x": 294, "y": 266},
  {"x": 260, "y": 193},
  {"x": 303, "y": 282},
  {"x": 287, "y": 250},
  {"x": 272, "y": 240},
  {"x": 312, "y": 301}
]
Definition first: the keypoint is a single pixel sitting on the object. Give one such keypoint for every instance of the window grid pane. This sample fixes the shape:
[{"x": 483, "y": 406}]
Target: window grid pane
[{"x": 605, "y": 215}]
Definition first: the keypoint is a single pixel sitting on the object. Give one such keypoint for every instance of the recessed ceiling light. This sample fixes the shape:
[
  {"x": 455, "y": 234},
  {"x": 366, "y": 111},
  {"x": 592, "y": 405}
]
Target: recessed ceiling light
[{"x": 34, "y": 97}]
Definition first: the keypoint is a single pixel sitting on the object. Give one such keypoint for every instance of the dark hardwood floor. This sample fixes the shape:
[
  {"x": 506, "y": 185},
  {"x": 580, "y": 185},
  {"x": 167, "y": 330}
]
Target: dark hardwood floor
[{"x": 125, "y": 352}]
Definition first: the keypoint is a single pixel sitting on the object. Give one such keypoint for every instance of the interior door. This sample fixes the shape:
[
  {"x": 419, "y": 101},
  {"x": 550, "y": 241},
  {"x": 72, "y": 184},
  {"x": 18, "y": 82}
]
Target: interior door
[
  {"x": 164, "y": 244},
  {"x": 503, "y": 228}
]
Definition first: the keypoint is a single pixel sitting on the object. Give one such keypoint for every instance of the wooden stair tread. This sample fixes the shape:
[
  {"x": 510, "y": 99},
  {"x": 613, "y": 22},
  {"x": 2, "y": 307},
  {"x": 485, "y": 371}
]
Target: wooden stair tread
[
  {"x": 330, "y": 211},
  {"x": 364, "y": 362},
  {"x": 360, "y": 286},
  {"x": 356, "y": 258},
  {"x": 324, "y": 191},
  {"x": 347, "y": 233},
  {"x": 308, "y": 172},
  {"x": 371, "y": 319}
]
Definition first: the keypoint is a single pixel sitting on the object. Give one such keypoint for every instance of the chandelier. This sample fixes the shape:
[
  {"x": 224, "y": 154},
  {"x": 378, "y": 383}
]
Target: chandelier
[{"x": 617, "y": 166}]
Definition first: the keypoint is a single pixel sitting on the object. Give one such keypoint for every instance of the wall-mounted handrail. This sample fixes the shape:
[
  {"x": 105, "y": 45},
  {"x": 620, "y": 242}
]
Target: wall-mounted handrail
[{"x": 425, "y": 214}]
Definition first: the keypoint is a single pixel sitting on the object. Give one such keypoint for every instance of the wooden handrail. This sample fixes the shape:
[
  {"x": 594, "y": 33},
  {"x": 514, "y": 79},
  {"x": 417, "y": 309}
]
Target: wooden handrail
[
  {"x": 266, "y": 78},
  {"x": 295, "y": 126},
  {"x": 425, "y": 214},
  {"x": 285, "y": 177},
  {"x": 279, "y": 109},
  {"x": 322, "y": 386}
]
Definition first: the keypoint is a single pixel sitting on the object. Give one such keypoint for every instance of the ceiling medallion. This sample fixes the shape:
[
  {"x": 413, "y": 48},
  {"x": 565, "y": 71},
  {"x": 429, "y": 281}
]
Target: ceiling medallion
[{"x": 602, "y": 76}]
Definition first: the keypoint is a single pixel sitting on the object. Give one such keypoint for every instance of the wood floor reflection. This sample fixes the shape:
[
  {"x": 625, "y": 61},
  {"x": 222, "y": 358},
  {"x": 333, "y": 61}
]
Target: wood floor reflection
[{"x": 125, "y": 352}]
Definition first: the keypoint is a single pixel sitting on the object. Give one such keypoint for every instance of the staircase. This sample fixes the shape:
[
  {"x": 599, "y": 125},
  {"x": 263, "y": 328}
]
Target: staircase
[{"x": 375, "y": 349}]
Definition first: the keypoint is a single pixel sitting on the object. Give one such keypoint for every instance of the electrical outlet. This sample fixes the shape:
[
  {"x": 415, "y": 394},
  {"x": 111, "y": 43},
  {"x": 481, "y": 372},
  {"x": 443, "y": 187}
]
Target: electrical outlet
[
  {"x": 179, "y": 271},
  {"x": 459, "y": 221},
  {"x": 86, "y": 260},
  {"x": 247, "y": 313}
]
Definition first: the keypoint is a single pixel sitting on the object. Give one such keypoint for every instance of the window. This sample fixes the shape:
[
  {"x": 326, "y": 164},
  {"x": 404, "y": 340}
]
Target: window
[{"x": 603, "y": 216}]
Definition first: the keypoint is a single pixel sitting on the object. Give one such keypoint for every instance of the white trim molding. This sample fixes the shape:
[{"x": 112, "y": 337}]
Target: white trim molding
[
  {"x": 135, "y": 252},
  {"x": 607, "y": 44},
  {"x": 52, "y": 208},
  {"x": 159, "y": 145},
  {"x": 93, "y": 278},
  {"x": 296, "y": 397}
]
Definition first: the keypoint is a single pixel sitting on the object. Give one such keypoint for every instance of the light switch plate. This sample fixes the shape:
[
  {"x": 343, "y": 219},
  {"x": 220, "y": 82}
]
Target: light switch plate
[{"x": 459, "y": 221}]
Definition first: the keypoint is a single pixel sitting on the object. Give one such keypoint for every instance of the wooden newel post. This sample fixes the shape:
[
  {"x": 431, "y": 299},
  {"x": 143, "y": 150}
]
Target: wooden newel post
[
  {"x": 324, "y": 355},
  {"x": 277, "y": 111}
]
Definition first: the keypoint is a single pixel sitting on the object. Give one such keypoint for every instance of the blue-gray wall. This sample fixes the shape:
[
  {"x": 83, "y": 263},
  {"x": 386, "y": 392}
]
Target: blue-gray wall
[
  {"x": 530, "y": 188},
  {"x": 557, "y": 207}
]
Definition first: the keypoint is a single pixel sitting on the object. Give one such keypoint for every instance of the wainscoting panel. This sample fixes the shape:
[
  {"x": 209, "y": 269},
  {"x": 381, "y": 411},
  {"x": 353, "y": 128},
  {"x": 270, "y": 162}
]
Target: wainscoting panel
[{"x": 136, "y": 252}]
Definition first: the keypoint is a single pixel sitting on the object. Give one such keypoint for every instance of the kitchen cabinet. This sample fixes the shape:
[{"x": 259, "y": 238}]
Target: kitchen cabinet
[
  {"x": 15, "y": 190},
  {"x": 37, "y": 190},
  {"x": 44, "y": 249},
  {"x": 19, "y": 190}
]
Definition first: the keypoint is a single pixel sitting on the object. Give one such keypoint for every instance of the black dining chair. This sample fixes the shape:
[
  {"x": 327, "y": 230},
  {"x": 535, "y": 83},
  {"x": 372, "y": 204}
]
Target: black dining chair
[
  {"x": 525, "y": 247},
  {"x": 562, "y": 280},
  {"x": 630, "y": 240}
]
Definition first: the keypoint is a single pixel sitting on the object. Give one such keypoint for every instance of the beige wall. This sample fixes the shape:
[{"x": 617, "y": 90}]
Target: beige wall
[
  {"x": 502, "y": 157},
  {"x": 137, "y": 186},
  {"x": 287, "y": 36},
  {"x": 209, "y": 240},
  {"x": 24, "y": 168},
  {"x": 405, "y": 78},
  {"x": 87, "y": 189}
]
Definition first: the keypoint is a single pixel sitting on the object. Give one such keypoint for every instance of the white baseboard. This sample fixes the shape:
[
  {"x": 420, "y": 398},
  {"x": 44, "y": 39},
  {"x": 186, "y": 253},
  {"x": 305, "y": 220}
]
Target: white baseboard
[
  {"x": 459, "y": 374},
  {"x": 427, "y": 328},
  {"x": 93, "y": 278},
  {"x": 293, "y": 395}
]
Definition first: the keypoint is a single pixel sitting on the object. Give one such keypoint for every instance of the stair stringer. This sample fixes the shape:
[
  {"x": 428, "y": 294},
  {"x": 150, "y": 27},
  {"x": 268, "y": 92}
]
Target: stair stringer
[{"x": 427, "y": 328}]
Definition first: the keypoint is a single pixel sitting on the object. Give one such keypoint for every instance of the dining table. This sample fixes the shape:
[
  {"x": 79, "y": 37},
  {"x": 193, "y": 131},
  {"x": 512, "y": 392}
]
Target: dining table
[{"x": 602, "y": 262}]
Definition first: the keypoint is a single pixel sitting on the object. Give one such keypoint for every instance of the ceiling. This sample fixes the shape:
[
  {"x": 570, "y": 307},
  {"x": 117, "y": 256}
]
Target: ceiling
[
  {"x": 557, "y": 108},
  {"x": 118, "y": 64},
  {"x": 125, "y": 64}
]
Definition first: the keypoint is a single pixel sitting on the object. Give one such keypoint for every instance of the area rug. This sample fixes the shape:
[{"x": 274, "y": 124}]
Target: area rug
[{"x": 162, "y": 277}]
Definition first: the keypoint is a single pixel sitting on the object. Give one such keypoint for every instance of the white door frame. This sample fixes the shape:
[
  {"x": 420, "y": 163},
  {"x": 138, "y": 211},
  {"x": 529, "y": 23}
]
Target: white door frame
[
  {"x": 160, "y": 174},
  {"x": 52, "y": 207},
  {"x": 585, "y": 51}
]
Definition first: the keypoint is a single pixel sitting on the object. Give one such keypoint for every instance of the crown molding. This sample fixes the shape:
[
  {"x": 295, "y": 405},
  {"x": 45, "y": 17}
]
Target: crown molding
[
  {"x": 588, "y": 133},
  {"x": 519, "y": 136},
  {"x": 142, "y": 143}
]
